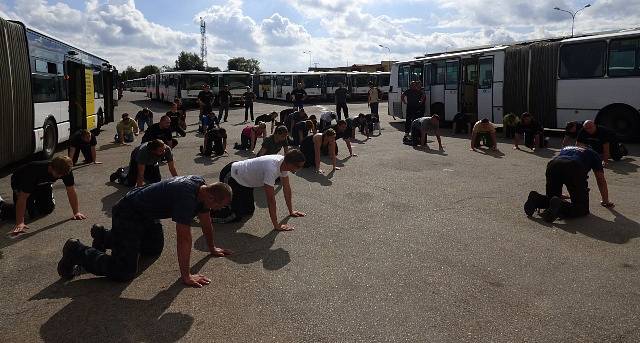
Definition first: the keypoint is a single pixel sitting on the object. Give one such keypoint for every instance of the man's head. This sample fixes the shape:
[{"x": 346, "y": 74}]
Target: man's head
[
  {"x": 125, "y": 116},
  {"x": 309, "y": 124},
  {"x": 280, "y": 134},
  {"x": 146, "y": 110},
  {"x": 85, "y": 135},
  {"x": 205, "y": 87},
  {"x": 293, "y": 161},
  {"x": 340, "y": 84},
  {"x": 313, "y": 118},
  {"x": 226, "y": 87},
  {"x": 341, "y": 125},
  {"x": 485, "y": 121},
  {"x": 300, "y": 85},
  {"x": 174, "y": 107},
  {"x": 262, "y": 127},
  {"x": 413, "y": 85},
  {"x": 571, "y": 127},
  {"x": 248, "y": 88},
  {"x": 330, "y": 134},
  {"x": 165, "y": 122},
  {"x": 435, "y": 119},
  {"x": 590, "y": 127},
  {"x": 216, "y": 195},
  {"x": 60, "y": 166},
  {"x": 156, "y": 147},
  {"x": 274, "y": 115},
  {"x": 526, "y": 117},
  {"x": 176, "y": 100}
]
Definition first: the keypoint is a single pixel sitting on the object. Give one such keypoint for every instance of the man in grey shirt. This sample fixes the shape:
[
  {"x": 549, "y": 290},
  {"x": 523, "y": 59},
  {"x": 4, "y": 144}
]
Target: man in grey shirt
[
  {"x": 144, "y": 165},
  {"x": 422, "y": 125},
  {"x": 341, "y": 101}
]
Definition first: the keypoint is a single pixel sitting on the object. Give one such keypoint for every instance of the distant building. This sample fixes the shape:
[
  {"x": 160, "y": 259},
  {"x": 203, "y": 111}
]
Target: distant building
[{"x": 382, "y": 66}]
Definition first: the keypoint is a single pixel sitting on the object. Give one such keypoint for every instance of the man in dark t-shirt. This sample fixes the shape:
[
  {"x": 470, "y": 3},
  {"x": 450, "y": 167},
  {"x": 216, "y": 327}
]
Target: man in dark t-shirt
[
  {"x": 248, "y": 97},
  {"x": 33, "y": 191},
  {"x": 137, "y": 231},
  {"x": 205, "y": 100},
  {"x": 299, "y": 96},
  {"x": 215, "y": 141},
  {"x": 275, "y": 142},
  {"x": 83, "y": 141},
  {"x": 224, "y": 98},
  {"x": 571, "y": 132},
  {"x": 175, "y": 116},
  {"x": 570, "y": 168},
  {"x": 413, "y": 98},
  {"x": 294, "y": 118},
  {"x": 341, "y": 101},
  {"x": 345, "y": 130},
  {"x": 268, "y": 118},
  {"x": 529, "y": 129},
  {"x": 601, "y": 140},
  {"x": 161, "y": 131}
]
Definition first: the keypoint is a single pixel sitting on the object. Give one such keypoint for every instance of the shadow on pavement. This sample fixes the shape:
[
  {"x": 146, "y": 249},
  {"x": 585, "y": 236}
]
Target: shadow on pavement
[
  {"x": 310, "y": 175},
  {"x": 489, "y": 152},
  {"x": 98, "y": 313},
  {"x": 625, "y": 166},
  {"x": 109, "y": 200},
  {"x": 6, "y": 240},
  {"x": 247, "y": 248}
]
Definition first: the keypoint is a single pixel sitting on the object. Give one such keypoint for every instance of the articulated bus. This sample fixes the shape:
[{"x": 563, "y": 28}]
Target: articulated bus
[
  {"x": 594, "y": 76},
  {"x": 48, "y": 91},
  {"x": 136, "y": 85},
  {"x": 186, "y": 85}
]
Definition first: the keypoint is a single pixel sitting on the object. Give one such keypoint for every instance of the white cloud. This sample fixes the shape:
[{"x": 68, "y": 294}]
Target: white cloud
[{"x": 280, "y": 31}]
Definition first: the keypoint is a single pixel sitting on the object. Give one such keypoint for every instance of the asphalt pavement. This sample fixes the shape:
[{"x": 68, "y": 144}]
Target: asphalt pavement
[{"x": 400, "y": 245}]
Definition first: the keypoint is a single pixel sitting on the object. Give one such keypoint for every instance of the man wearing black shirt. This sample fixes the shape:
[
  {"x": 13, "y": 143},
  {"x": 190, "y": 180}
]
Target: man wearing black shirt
[
  {"x": 413, "y": 98},
  {"x": 215, "y": 141},
  {"x": 33, "y": 191},
  {"x": 346, "y": 131},
  {"x": 294, "y": 118},
  {"x": 161, "y": 131},
  {"x": 571, "y": 133},
  {"x": 224, "y": 98},
  {"x": 248, "y": 97},
  {"x": 600, "y": 139},
  {"x": 205, "y": 100},
  {"x": 530, "y": 129},
  {"x": 268, "y": 118},
  {"x": 175, "y": 116},
  {"x": 299, "y": 96},
  {"x": 341, "y": 101},
  {"x": 83, "y": 141},
  {"x": 136, "y": 230},
  {"x": 570, "y": 168}
]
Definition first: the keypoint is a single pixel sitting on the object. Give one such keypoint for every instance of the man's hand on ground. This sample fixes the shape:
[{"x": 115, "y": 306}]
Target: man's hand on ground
[
  {"x": 284, "y": 227},
  {"x": 19, "y": 229},
  {"x": 297, "y": 214},
  {"x": 197, "y": 280},
  {"x": 221, "y": 252},
  {"x": 78, "y": 216},
  {"x": 607, "y": 204}
]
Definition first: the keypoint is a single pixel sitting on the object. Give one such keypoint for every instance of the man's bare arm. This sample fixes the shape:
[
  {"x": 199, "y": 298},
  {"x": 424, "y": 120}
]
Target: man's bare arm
[{"x": 172, "y": 168}]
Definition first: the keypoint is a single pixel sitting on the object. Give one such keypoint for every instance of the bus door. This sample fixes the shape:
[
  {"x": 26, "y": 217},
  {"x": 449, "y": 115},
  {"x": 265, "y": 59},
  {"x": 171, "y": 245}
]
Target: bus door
[
  {"x": 109, "y": 102},
  {"x": 75, "y": 74},
  {"x": 428, "y": 74},
  {"x": 469, "y": 88},
  {"x": 485, "y": 88},
  {"x": 451, "y": 89}
]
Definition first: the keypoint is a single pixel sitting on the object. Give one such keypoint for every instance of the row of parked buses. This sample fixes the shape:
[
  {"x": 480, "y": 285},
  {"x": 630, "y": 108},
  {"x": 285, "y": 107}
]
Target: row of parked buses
[
  {"x": 319, "y": 85},
  {"x": 135, "y": 85},
  {"x": 48, "y": 91},
  {"x": 594, "y": 77}
]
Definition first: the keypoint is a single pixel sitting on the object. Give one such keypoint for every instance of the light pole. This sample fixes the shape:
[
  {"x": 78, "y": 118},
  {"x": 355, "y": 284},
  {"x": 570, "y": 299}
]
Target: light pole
[
  {"x": 388, "y": 52},
  {"x": 308, "y": 53},
  {"x": 572, "y": 14}
]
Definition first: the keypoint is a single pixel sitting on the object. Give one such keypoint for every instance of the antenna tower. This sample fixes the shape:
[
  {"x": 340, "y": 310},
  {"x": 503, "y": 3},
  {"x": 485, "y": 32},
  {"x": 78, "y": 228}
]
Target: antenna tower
[{"x": 203, "y": 41}]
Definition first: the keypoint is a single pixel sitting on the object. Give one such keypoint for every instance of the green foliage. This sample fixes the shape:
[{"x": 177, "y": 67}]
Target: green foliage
[
  {"x": 129, "y": 73},
  {"x": 250, "y": 65},
  {"x": 189, "y": 61},
  {"x": 149, "y": 70}
]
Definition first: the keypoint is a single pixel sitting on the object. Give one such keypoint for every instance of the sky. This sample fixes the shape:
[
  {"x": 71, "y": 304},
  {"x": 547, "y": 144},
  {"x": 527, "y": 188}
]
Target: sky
[{"x": 290, "y": 35}]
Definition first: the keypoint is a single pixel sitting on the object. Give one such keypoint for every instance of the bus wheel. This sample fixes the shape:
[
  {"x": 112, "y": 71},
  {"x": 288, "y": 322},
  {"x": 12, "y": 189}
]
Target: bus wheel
[
  {"x": 49, "y": 139},
  {"x": 623, "y": 120}
]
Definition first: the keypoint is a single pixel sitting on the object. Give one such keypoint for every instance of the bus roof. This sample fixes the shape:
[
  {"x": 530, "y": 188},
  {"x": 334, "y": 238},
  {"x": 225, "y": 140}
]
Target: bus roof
[
  {"x": 185, "y": 72},
  {"x": 71, "y": 47},
  {"x": 604, "y": 35}
]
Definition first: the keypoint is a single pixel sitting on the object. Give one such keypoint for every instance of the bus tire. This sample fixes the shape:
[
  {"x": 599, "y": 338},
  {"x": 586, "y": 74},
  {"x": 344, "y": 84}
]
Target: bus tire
[
  {"x": 49, "y": 138},
  {"x": 623, "y": 119}
]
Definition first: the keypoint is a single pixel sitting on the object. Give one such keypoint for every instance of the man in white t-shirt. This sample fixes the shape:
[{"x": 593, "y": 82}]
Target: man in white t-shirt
[{"x": 244, "y": 176}]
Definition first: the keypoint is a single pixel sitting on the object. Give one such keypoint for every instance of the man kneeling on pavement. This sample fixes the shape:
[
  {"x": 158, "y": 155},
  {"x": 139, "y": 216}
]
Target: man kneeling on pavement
[{"x": 136, "y": 230}]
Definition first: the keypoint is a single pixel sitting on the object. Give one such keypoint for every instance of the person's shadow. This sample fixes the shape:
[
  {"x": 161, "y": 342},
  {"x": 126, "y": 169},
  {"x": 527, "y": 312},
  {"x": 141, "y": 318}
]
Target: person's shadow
[
  {"x": 619, "y": 231},
  {"x": 430, "y": 151},
  {"x": 109, "y": 200},
  {"x": 310, "y": 175},
  {"x": 98, "y": 313},
  {"x": 624, "y": 167},
  {"x": 488, "y": 152}
]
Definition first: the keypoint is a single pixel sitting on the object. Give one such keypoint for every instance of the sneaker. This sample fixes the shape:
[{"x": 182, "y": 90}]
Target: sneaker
[
  {"x": 532, "y": 203},
  {"x": 98, "y": 233},
  {"x": 67, "y": 267},
  {"x": 551, "y": 213}
]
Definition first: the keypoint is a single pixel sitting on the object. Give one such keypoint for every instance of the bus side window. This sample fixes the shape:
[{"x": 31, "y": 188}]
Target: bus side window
[
  {"x": 624, "y": 57},
  {"x": 583, "y": 60}
]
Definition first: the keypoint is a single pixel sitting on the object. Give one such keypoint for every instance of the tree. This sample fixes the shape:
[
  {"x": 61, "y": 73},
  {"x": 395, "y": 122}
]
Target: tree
[
  {"x": 250, "y": 65},
  {"x": 189, "y": 61},
  {"x": 129, "y": 73},
  {"x": 166, "y": 68},
  {"x": 211, "y": 69},
  {"x": 149, "y": 70}
]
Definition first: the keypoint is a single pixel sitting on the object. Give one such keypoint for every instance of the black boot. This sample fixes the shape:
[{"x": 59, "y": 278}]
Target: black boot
[
  {"x": 68, "y": 265},
  {"x": 99, "y": 235}
]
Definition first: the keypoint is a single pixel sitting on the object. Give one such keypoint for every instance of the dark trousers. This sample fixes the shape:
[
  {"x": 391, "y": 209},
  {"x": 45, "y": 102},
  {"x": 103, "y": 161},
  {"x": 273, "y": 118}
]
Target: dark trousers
[
  {"x": 224, "y": 107},
  {"x": 242, "y": 202},
  {"x": 415, "y": 136},
  {"x": 245, "y": 143},
  {"x": 39, "y": 203},
  {"x": 374, "y": 108},
  {"x": 509, "y": 131},
  {"x": 298, "y": 105},
  {"x": 86, "y": 153},
  {"x": 212, "y": 144},
  {"x": 409, "y": 117},
  {"x": 175, "y": 127},
  {"x": 248, "y": 108},
  {"x": 342, "y": 106},
  {"x": 151, "y": 173},
  {"x": 130, "y": 237},
  {"x": 483, "y": 138},
  {"x": 572, "y": 175}
]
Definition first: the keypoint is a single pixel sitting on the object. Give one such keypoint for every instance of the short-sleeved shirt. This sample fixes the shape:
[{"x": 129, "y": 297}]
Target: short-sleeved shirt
[
  {"x": 210, "y": 121},
  {"x": 144, "y": 155},
  {"x": 127, "y": 127},
  {"x": 597, "y": 140},
  {"x": 248, "y": 97},
  {"x": 374, "y": 94},
  {"x": 225, "y": 96},
  {"x": 299, "y": 94},
  {"x": 347, "y": 133},
  {"x": 156, "y": 132},
  {"x": 36, "y": 174},
  {"x": 413, "y": 97},
  {"x": 532, "y": 128},
  {"x": 327, "y": 116},
  {"x": 144, "y": 115},
  {"x": 272, "y": 147},
  {"x": 587, "y": 157},
  {"x": 259, "y": 171},
  {"x": 174, "y": 116},
  {"x": 424, "y": 123},
  {"x": 265, "y": 118},
  {"x": 574, "y": 134},
  {"x": 77, "y": 142},
  {"x": 206, "y": 97},
  {"x": 175, "y": 198},
  {"x": 341, "y": 95},
  {"x": 481, "y": 127},
  {"x": 295, "y": 117}
]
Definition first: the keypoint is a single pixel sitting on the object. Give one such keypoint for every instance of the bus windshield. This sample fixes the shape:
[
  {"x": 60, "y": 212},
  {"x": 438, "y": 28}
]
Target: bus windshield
[
  {"x": 237, "y": 80},
  {"x": 333, "y": 80},
  {"x": 360, "y": 80},
  {"x": 310, "y": 81},
  {"x": 195, "y": 81},
  {"x": 383, "y": 80}
]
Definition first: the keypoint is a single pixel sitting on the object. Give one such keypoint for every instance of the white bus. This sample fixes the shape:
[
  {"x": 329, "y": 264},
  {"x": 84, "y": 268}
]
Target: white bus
[
  {"x": 48, "y": 91},
  {"x": 381, "y": 79},
  {"x": 358, "y": 84},
  {"x": 136, "y": 85},
  {"x": 283, "y": 84},
  {"x": 265, "y": 85},
  {"x": 331, "y": 80},
  {"x": 595, "y": 76},
  {"x": 311, "y": 82},
  {"x": 238, "y": 81}
]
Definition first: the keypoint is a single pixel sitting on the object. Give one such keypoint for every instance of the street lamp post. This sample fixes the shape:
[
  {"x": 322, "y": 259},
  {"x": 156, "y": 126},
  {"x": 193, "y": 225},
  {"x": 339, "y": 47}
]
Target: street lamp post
[
  {"x": 388, "y": 54},
  {"x": 308, "y": 53},
  {"x": 572, "y": 14}
]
